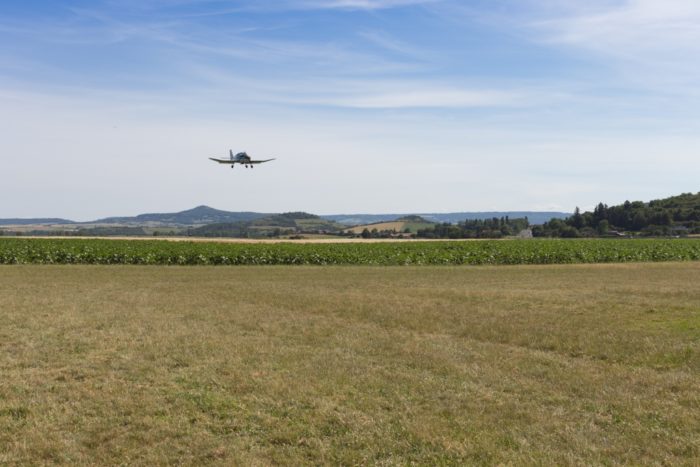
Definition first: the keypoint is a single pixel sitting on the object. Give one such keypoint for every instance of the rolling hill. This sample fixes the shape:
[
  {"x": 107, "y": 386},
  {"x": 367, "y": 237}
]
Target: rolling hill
[
  {"x": 272, "y": 225},
  {"x": 411, "y": 223},
  {"x": 196, "y": 216},
  {"x": 535, "y": 217},
  {"x": 38, "y": 221},
  {"x": 202, "y": 215}
]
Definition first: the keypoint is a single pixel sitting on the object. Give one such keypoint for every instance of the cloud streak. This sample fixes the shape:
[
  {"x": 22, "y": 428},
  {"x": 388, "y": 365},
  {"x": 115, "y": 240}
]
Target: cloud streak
[
  {"x": 362, "y": 4},
  {"x": 653, "y": 42},
  {"x": 421, "y": 95}
]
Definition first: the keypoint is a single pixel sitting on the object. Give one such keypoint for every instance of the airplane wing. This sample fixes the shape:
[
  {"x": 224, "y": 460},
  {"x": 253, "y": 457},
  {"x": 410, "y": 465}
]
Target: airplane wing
[
  {"x": 222, "y": 161},
  {"x": 260, "y": 162}
]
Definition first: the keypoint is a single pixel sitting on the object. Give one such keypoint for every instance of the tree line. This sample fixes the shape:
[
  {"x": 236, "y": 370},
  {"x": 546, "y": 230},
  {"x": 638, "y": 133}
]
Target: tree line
[
  {"x": 495, "y": 227},
  {"x": 678, "y": 215}
]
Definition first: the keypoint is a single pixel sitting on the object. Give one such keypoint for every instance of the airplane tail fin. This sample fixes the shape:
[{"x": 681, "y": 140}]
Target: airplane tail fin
[{"x": 230, "y": 153}]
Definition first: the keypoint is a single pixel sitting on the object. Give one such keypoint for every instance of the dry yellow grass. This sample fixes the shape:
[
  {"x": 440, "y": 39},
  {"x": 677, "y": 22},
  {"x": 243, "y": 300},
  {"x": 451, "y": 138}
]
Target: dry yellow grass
[
  {"x": 398, "y": 226},
  {"x": 594, "y": 364}
]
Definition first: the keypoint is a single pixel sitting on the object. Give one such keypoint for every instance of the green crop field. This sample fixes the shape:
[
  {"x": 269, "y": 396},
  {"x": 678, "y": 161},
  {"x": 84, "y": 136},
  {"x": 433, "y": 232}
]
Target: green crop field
[
  {"x": 430, "y": 365},
  {"x": 98, "y": 251}
]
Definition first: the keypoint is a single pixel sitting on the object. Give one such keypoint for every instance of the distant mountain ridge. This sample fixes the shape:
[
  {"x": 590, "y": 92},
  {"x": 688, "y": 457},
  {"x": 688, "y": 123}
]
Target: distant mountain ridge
[
  {"x": 535, "y": 217},
  {"x": 48, "y": 221},
  {"x": 194, "y": 216},
  {"x": 203, "y": 215},
  {"x": 273, "y": 225}
]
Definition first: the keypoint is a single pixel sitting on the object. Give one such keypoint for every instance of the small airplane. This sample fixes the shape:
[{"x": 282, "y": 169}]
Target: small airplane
[{"x": 240, "y": 158}]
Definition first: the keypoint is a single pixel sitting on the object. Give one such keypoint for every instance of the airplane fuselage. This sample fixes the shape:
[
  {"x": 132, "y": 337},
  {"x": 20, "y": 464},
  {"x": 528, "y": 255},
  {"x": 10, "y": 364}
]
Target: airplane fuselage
[{"x": 242, "y": 157}]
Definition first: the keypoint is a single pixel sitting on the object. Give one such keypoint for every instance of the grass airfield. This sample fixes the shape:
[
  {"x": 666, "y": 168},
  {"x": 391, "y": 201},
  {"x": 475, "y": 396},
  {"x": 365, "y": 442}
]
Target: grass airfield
[{"x": 576, "y": 364}]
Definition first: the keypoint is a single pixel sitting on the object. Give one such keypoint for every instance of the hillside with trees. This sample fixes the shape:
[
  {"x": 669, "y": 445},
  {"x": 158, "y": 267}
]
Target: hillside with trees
[
  {"x": 275, "y": 225},
  {"x": 401, "y": 227},
  {"x": 496, "y": 227},
  {"x": 677, "y": 215},
  {"x": 535, "y": 217},
  {"x": 194, "y": 216}
]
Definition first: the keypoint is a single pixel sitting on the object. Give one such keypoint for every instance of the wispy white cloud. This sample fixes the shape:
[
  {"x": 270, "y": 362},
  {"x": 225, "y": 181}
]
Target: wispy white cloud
[
  {"x": 634, "y": 25},
  {"x": 423, "y": 95},
  {"x": 658, "y": 41},
  {"x": 360, "y": 4},
  {"x": 392, "y": 44},
  {"x": 218, "y": 7},
  {"x": 192, "y": 48}
]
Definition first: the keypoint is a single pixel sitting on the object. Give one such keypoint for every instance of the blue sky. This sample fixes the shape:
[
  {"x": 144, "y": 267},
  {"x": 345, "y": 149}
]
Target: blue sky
[{"x": 112, "y": 107}]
